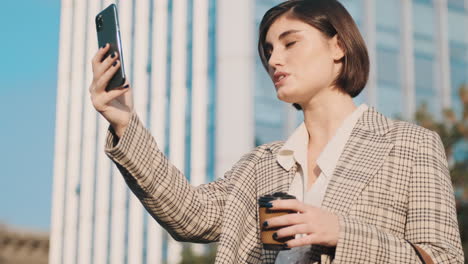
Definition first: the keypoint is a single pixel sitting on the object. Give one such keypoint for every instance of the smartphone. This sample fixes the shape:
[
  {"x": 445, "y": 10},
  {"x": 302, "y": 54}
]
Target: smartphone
[{"x": 107, "y": 27}]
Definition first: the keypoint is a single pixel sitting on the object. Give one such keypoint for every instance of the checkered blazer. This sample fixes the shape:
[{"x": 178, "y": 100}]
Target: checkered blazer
[{"x": 391, "y": 189}]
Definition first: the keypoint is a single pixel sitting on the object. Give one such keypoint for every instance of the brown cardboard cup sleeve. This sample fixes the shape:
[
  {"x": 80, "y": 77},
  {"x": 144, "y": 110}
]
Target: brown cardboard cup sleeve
[{"x": 266, "y": 213}]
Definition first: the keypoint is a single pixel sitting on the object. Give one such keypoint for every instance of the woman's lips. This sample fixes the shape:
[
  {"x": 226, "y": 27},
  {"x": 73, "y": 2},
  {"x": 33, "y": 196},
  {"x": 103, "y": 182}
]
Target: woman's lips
[{"x": 281, "y": 81}]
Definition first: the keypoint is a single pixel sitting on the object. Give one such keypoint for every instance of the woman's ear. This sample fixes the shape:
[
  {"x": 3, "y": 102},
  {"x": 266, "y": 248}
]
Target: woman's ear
[{"x": 337, "y": 51}]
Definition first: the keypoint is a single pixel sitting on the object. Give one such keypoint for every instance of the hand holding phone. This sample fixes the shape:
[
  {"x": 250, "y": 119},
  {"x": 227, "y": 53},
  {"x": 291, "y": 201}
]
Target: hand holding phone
[
  {"x": 110, "y": 92},
  {"x": 108, "y": 32}
]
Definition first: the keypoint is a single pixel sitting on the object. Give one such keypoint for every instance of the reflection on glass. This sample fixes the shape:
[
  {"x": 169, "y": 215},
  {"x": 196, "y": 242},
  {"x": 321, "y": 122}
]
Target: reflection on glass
[
  {"x": 424, "y": 52},
  {"x": 456, "y": 4},
  {"x": 388, "y": 63},
  {"x": 458, "y": 47},
  {"x": 269, "y": 111},
  {"x": 355, "y": 8}
]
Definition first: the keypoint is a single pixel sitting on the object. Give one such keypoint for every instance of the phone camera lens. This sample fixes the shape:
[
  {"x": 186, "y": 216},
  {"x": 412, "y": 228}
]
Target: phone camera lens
[{"x": 99, "y": 22}]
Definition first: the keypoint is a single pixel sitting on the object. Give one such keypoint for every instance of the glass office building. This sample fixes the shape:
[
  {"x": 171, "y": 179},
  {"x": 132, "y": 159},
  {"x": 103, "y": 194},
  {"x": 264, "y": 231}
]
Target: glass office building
[{"x": 201, "y": 90}]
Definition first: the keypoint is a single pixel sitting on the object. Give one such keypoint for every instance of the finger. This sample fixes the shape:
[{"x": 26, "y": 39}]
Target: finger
[
  {"x": 290, "y": 204},
  {"x": 125, "y": 85},
  {"x": 105, "y": 78},
  {"x": 92, "y": 87},
  {"x": 285, "y": 220},
  {"x": 112, "y": 94},
  {"x": 293, "y": 230},
  {"x": 106, "y": 64},
  {"x": 99, "y": 55},
  {"x": 311, "y": 239},
  {"x": 127, "y": 98}
]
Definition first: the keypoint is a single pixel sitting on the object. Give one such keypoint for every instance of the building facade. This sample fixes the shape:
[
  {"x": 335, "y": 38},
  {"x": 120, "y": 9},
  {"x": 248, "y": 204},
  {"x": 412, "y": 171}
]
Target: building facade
[
  {"x": 169, "y": 50},
  {"x": 201, "y": 90}
]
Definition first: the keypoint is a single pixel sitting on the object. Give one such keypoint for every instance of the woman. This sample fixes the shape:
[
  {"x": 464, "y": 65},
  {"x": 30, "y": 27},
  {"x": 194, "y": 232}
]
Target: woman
[{"x": 369, "y": 189}]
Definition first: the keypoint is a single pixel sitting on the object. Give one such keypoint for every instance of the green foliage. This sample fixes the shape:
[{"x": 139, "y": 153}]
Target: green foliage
[
  {"x": 189, "y": 257},
  {"x": 452, "y": 130}
]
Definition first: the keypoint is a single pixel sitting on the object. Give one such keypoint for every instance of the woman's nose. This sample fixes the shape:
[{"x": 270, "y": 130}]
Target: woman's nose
[{"x": 275, "y": 60}]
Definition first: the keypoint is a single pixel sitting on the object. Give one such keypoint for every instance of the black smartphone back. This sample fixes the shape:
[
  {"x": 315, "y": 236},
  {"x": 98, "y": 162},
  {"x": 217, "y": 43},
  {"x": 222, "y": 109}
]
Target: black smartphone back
[{"x": 107, "y": 27}]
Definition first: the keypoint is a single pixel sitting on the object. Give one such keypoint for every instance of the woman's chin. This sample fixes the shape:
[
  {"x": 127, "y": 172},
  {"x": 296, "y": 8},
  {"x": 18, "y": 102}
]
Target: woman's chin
[{"x": 285, "y": 96}]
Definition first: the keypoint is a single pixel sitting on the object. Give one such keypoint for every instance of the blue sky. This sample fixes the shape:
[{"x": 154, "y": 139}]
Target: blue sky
[{"x": 29, "y": 31}]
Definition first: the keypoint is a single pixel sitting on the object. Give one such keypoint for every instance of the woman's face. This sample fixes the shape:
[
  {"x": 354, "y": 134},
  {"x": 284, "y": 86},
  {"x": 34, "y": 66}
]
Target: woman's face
[{"x": 303, "y": 62}]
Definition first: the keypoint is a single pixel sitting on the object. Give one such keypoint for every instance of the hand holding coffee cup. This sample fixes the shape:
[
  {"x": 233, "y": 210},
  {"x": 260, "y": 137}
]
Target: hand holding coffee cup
[{"x": 269, "y": 242}]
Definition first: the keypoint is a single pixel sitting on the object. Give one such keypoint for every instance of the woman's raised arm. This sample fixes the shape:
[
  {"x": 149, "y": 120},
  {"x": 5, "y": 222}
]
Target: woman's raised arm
[{"x": 188, "y": 213}]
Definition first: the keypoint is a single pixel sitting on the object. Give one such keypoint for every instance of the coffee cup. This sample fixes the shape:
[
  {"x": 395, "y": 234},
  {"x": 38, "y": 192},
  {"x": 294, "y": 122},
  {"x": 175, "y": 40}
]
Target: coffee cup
[{"x": 266, "y": 213}]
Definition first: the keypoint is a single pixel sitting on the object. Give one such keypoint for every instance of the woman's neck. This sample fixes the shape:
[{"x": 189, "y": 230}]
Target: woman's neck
[{"x": 325, "y": 113}]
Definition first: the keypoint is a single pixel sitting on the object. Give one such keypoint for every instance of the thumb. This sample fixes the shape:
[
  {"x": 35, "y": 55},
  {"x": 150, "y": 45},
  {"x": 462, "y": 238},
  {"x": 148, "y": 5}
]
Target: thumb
[{"x": 113, "y": 94}]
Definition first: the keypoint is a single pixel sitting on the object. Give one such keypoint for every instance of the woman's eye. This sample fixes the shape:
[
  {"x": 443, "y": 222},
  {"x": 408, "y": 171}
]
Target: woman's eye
[{"x": 290, "y": 44}]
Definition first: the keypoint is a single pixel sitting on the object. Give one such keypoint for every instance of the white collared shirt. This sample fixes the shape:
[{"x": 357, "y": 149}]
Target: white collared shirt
[{"x": 295, "y": 150}]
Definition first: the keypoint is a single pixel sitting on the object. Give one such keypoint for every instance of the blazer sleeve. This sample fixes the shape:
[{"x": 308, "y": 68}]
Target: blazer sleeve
[
  {"x": 431, "y": 220},
  {"x": 188, "y": 213}
]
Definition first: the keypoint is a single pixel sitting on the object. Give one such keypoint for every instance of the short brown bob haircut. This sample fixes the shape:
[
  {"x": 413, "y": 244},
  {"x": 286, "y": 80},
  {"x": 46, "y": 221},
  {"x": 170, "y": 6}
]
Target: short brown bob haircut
[{"x": 330, "y": 18}]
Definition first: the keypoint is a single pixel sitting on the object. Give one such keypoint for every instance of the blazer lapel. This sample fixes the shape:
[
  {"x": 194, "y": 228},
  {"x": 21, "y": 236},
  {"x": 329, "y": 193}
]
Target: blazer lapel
[
  {"x": 363, "y": 155},
  {"x": 271, "y": 176}
]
